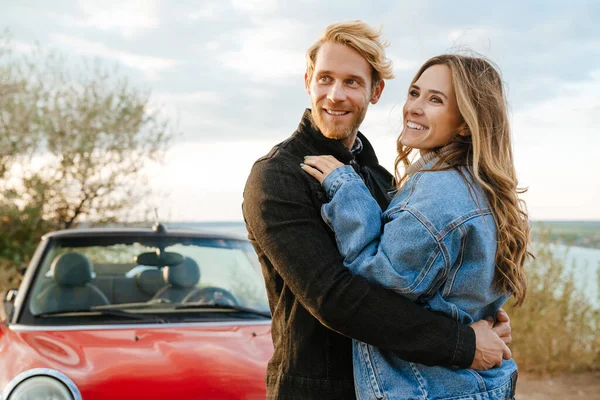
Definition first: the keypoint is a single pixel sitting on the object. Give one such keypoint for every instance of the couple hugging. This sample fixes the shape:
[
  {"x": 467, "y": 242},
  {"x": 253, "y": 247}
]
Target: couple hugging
[{"x": 386, "y": 287}]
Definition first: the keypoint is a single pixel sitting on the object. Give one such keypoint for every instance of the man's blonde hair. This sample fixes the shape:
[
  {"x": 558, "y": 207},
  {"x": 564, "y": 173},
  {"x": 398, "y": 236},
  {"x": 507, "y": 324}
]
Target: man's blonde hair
[{"x": 363, "y": 38}]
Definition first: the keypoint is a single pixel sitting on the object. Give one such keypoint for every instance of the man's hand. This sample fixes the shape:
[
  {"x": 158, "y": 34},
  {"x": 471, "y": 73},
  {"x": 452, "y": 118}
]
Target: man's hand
[
  {"x": 490, "y": 348},
  {"x": 502, "y": 326}
]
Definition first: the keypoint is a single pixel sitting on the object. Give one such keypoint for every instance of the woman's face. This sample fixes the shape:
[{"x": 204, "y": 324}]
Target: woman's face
[{"x": 431, "y": 116}]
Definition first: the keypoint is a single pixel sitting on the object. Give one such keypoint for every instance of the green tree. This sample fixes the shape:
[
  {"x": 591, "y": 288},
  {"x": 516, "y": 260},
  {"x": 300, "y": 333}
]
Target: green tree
[
  {"x": 19, "y": 114},
  {"x": 74, "y": 141}
]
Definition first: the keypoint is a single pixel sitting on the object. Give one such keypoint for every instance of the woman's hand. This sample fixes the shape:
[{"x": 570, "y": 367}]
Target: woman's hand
[{"x": 320, "y": 166}]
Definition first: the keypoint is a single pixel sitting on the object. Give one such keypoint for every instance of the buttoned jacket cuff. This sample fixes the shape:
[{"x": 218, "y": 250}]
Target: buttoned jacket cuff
[{"x": 337, "y": 178}]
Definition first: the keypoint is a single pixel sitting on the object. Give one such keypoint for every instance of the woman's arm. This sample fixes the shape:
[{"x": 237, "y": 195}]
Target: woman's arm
[{"x": 404, "y": 257}]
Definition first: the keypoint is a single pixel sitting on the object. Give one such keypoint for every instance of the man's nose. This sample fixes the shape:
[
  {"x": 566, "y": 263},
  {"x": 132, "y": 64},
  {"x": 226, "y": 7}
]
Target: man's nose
[{"x": 336, "y": 93}]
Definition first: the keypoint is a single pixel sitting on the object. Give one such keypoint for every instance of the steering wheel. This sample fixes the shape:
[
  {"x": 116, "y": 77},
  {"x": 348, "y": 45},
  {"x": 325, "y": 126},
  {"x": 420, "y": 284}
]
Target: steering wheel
[{"x": 211, "y": 295}]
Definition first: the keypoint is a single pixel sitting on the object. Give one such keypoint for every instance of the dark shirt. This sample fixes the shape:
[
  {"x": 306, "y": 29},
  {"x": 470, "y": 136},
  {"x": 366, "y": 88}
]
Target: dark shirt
[{"x": 316, "y": 303}]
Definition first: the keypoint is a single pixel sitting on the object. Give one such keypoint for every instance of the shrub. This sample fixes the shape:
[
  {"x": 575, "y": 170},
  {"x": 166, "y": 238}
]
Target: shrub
[{"x": 558, "y": 327}]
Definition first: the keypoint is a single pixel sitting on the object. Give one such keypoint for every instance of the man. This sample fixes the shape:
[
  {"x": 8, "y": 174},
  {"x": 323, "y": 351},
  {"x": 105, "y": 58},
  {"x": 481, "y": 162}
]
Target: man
[{"x": 316, "y": 303}]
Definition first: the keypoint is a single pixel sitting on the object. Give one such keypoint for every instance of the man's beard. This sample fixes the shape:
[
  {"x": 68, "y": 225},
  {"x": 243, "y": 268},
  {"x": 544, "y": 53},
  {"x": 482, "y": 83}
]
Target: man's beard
[{"x": 337, "y": 131}]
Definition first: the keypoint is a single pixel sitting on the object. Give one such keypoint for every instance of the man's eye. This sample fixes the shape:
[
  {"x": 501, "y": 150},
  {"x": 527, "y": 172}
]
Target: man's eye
[
  {"x": 351, "y": 82},
  {"x": 323, "y": 79}
]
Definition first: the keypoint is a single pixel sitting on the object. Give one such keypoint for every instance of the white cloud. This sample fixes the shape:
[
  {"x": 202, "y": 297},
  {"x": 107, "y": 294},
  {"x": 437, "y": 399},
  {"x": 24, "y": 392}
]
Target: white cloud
[
  {"x": 255, "y": 7},
  {"x": 403, "y": 63},
  {"x": 556, "y": 152},
  {"x": 212, "y": 45},
  {"x": 258, "y": 93},
  {"x": 476, "y": 38},
  {"x": 22, "y": 47},
  {"x": 209, "y": 10},
  {"x": 208, "y": 97},
  {"x": 205, "y": 181},
  {"x": 267, "y": 53},
  {"x": 149, "y": 65},
  {"x": 129, "y": 17}
]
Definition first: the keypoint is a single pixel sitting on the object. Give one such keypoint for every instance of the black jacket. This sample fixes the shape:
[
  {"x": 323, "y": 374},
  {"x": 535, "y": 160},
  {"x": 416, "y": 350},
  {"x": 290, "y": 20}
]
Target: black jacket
[{"x": 316, "y": 303}]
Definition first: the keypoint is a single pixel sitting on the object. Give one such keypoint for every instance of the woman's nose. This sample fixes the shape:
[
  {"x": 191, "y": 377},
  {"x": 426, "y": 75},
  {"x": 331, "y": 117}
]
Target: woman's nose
[{"x": 414, "y": 107}]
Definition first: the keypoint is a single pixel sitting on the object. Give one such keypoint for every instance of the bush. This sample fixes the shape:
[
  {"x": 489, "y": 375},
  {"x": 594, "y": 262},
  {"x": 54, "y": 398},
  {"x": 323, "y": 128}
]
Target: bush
[
  {"x": 9, "y": 275},
  {"x": 558, "y": 327}
]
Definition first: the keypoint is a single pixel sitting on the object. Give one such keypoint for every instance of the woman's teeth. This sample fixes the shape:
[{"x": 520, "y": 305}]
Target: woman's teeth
[{"x": 414, "y": 125}]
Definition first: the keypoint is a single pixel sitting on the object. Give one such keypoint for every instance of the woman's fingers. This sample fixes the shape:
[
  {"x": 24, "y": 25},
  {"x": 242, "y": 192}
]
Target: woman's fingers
[
  {"x": 320, "y": 166},
  {"x": 324, "y": 164},
  {"x": 315, "y": 173}
]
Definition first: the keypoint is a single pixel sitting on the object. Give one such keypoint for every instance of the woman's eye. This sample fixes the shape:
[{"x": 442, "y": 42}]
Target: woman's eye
[
  {"x": 413, "y": 93},
  {"x": 436, "y": 100}
]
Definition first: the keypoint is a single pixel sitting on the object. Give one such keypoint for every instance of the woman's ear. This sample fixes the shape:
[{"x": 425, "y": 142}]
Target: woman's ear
[{"x": 463, "y": 130}]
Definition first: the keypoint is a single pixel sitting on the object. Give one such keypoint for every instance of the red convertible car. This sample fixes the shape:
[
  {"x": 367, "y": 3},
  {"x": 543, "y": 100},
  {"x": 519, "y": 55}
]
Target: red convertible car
[{"x": 136, "y": 314}]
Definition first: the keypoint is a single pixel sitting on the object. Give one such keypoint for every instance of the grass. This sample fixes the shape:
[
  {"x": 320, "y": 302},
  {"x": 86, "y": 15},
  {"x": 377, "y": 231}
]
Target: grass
[{"x": 558, "y": 328}]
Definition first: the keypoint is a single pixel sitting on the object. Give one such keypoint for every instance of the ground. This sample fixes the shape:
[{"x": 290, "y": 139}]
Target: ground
[{"x": 564, "y": 387}]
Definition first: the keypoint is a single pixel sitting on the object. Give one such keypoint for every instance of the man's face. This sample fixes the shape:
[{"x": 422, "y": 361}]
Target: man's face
[{"x": 340, "y": 91}]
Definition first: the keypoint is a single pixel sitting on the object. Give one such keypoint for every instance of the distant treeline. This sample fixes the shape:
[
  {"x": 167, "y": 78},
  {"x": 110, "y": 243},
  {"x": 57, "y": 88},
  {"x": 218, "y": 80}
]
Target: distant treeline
[{"x": 573, "y": 233}]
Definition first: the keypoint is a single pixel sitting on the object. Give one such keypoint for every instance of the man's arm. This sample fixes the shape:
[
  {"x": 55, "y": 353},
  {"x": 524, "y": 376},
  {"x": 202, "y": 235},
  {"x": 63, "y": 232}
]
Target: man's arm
[{"x": 288, "y": 228}]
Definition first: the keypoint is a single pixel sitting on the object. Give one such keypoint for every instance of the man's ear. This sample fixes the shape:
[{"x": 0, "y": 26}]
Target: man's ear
[
  {"x": 377, "y": 91},
  {"x": 307, "y": 83}
]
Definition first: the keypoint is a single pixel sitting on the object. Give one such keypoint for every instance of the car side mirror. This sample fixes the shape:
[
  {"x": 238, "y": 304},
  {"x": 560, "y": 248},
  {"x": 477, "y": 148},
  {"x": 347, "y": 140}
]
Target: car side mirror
[{"x": 8, "y": 304}]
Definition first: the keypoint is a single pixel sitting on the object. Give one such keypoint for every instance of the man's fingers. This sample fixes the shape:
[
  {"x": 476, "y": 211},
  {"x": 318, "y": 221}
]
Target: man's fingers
[
  {"x": 502, "y": 316},
  {"x": 506, "y": 354},
  {"x": 502, "y": 329}
]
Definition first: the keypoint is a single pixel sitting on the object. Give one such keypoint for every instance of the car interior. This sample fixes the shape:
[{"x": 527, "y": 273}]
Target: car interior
[
  {"x": 76, "y": 274},
  {"x": 74, "y": 283}
]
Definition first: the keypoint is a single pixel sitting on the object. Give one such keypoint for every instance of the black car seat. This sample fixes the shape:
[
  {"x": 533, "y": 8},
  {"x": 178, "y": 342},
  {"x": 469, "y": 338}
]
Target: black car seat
[
  {"x": 181, "y": 279},
  {"x": 149, "y": 281},
  {"x": 71, "y": 288}
]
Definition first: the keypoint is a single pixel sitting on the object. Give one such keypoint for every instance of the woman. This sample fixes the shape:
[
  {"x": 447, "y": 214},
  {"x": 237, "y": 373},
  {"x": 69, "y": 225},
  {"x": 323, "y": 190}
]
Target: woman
[{"x": 455, "y": 236}]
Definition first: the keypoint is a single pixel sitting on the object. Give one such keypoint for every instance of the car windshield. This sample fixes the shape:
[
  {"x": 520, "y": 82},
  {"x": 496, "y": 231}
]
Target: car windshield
[{"x": 122, "y": 276}]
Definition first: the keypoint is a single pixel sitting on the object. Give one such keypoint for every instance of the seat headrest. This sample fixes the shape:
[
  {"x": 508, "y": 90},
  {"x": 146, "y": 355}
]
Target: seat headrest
[
  {"x": 186, "y": 274},
  {"x": 150, "y": 281},
  {"x": 72, "y": 269}
]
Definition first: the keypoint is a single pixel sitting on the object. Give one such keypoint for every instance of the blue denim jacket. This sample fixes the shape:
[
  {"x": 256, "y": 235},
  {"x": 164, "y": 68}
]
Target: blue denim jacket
[{"x": 436, "y": 245}]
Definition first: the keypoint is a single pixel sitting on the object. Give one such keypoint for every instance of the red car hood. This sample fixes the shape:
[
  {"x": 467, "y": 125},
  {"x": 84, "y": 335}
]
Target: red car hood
[{"x": 174, "y": 361}]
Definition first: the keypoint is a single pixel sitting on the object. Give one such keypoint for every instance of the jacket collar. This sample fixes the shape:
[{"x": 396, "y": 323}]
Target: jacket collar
[{"x": 312, "y": 137}]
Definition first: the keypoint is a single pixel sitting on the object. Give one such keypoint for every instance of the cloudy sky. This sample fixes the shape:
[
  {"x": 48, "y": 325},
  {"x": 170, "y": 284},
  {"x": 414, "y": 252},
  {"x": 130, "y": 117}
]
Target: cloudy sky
[{"x": 230, "y": 72}]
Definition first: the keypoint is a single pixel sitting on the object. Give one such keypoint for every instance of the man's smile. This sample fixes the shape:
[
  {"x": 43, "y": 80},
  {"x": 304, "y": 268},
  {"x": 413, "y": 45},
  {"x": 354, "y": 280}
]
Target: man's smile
[{"x": 336, "y": 112}]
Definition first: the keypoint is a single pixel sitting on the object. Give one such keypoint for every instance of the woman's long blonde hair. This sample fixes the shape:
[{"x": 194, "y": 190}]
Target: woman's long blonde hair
[{"x": 487, "y": 154}]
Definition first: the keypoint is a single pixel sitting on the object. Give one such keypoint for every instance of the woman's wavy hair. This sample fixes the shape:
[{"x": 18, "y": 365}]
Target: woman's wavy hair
[{"x": 487, "y": 154}]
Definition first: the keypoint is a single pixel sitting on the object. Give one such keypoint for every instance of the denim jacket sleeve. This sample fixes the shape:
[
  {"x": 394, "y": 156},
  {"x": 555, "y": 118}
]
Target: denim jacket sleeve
[
  {"x": 288, "y": 228},
  {"x": 403, "y": 256}
]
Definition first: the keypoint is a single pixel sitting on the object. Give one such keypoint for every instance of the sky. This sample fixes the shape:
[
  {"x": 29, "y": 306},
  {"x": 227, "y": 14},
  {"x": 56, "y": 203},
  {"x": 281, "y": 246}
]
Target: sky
[{"x": 230, "y": 74}]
